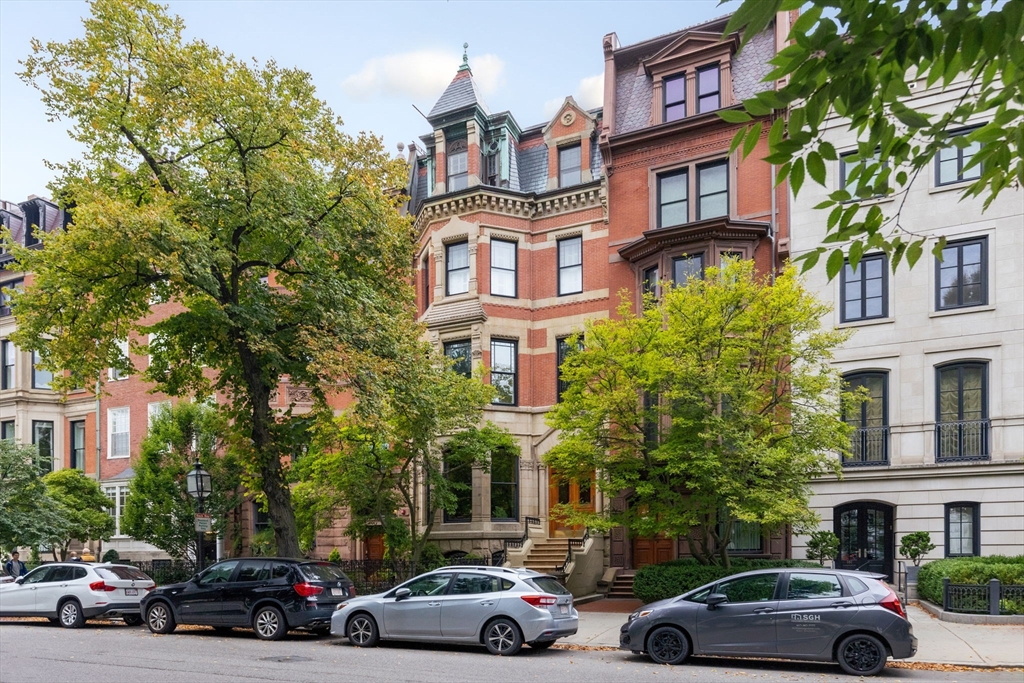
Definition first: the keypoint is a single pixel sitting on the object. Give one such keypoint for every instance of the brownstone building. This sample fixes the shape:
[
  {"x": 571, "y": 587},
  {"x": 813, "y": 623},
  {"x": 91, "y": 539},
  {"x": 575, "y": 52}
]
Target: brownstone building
[{"x": 526, "y": 233}]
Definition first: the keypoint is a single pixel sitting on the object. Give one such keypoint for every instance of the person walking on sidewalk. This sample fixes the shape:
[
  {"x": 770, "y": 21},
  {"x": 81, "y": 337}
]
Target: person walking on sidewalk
[{"x": 15, "y": 567}]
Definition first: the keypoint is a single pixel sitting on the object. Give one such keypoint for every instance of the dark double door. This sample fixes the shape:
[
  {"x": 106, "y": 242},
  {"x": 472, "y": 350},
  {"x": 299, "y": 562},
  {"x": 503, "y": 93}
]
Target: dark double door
[{"x": 866, "y": 541}]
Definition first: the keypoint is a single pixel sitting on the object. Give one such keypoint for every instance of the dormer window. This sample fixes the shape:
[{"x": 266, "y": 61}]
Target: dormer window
[
  {"x": 569, "y": 166},
  {"x": 675, "y": 98},
  {"x": 709, "y": 89}
]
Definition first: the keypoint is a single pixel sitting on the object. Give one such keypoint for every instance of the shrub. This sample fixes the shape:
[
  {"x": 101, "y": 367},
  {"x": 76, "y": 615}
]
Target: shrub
[
  {"x": 431, "y": 557},
  {"x": 916, "y": 545},
  {"x": 335, "y": 556},
  {"x": 969, "y": 570},
  {"x": 262, "y": 543},
  {"x": 823, "y": 545},
  {"x": 669, "y": 579},
  {"x": 111, "y": 556}
]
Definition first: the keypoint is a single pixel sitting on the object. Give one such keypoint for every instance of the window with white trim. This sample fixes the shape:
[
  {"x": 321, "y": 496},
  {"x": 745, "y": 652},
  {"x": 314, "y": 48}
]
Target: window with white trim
[
  {"x": 154, "y": 409},
  {"x": 456, "y": 268},
  {"x": 118, "y": 495},
  {"x": 113, "y": 374},
  {"x": 118, "y": 432},
  {"x": 41, "y": 378},
  {"x": 503, "y": 268},
  {"x": 570, "y": 266}
]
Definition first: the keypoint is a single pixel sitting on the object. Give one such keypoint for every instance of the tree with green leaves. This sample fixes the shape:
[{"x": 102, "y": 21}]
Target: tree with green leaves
[
  {"x": 417, "y": 423},
  {"x": 227, "y": 187},
  {"x": 159, "y": 509},
  {"x": 29, "y": 517},
  {"x": 822, "y": 545},
  {"x": 716, "y": 404},
  {"x": 855, "y": 59},
  {"x": 86, "y": 509}
]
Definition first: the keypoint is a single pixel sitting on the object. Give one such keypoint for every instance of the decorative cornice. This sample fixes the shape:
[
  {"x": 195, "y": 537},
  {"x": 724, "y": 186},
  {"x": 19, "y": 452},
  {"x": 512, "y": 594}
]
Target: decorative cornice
[
  {"x": 530, "y": 206},
  {"x": 723, "y": 228}
]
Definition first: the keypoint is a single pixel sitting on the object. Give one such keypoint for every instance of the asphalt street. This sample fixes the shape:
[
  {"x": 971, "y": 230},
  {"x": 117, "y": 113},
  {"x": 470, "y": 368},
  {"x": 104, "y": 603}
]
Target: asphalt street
[{"x": 36, "y": 652}]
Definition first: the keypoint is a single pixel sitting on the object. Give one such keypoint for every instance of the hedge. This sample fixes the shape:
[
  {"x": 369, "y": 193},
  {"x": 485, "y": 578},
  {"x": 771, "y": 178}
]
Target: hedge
[
  {"x": 968, "y": 570},
  {"x": 669, "y": 579}
]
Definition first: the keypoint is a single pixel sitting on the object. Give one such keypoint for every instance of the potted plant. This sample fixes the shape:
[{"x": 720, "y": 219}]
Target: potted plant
[
  {"x": 823, "y": 545},
  {"x": 914, "y": 546}
]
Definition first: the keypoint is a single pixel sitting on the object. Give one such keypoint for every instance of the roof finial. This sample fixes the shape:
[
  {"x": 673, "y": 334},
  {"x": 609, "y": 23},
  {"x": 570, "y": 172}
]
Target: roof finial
[{"x": 465, "y": 58}]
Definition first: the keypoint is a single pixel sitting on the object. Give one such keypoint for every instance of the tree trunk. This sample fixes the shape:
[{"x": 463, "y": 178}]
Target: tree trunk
[{"x": 279, "y": 495}]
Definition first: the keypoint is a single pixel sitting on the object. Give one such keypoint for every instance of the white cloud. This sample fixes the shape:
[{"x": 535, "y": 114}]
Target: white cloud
[
  {"x": 422, "y": 74},
  {"x": 589, "y": 94}
]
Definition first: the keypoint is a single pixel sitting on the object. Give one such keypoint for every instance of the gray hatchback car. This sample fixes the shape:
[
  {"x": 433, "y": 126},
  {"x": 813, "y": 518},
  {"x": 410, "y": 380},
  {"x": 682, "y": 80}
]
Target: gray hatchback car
[
  {"x": 820, "y": 615},
  {"x": 498, "y": 607}
]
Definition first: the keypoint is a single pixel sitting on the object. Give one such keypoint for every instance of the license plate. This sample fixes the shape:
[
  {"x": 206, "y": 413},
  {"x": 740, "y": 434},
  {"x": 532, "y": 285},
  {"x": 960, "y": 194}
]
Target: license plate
[
  {"x": 339, "y": 591},
  {"x": 131, "y": 591},
  {"x": 564, "y": 609}
]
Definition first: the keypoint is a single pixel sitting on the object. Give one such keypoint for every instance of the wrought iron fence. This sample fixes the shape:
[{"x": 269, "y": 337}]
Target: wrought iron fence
[
  {"x": 869, "y": 446},
  {"x": 165, "y": 571},
  {"x": 964, "y": 440},
  {"x": 377, "y": 576},
  {"x": 992, "y": 598}
]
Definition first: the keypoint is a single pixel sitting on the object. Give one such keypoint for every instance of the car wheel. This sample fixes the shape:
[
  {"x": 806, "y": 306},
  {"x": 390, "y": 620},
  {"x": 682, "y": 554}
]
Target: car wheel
[
  {"x": 160, "y": 619},
  {"x": 131, "y": 619},
  {"x": 667, "y": 645},
  {"x": 502, "y": 638},
  {"x": 70, "y": 614},
  {"x": 268, "y": 623},
  {"x": 861, "y": 655},
  {"x": 362, "y": 631},
  {"x": 543, "y": 645}
]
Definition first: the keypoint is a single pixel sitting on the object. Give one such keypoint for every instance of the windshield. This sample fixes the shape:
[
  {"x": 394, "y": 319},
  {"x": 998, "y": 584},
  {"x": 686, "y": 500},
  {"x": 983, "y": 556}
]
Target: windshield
[{"x": 323, "y": 571}]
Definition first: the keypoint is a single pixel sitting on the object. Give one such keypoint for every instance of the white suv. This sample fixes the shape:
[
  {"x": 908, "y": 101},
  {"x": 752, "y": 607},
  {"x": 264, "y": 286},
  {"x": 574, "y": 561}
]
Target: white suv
[{"x": 71, "y": 592}]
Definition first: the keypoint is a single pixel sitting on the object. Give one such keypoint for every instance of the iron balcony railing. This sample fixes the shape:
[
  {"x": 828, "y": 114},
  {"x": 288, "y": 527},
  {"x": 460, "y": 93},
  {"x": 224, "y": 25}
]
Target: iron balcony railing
[
  {"x": 869, "y": 446},
  {"x": 963, "y": 440}
]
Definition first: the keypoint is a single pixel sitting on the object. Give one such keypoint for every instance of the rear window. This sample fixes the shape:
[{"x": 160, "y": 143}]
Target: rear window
[
  {"x": 122, "y": 572},
  {"x": 548, "y": 585},
  {"x": 323, "y": 572}
]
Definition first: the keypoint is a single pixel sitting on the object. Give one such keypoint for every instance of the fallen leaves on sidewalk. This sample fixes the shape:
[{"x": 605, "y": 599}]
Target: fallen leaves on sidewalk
[{"x": 935, "y": 666}]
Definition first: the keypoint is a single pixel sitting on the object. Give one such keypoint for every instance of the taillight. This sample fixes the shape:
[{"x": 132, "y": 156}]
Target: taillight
[
  {"x": 540, "y": 600},
  {"x": 100, "y": 586},
  {"x": 308, "y": 590},
  {"x": 149, "y": 588},
  {"x": 891, "y": 602}
]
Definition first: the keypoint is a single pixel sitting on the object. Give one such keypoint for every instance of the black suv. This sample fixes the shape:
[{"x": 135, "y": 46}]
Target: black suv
[{"x": 270, "y": 595}]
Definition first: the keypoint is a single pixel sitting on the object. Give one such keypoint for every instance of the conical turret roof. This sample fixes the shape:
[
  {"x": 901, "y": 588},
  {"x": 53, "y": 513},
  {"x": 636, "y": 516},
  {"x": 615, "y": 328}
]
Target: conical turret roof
[{"x": 461, "y": 93}]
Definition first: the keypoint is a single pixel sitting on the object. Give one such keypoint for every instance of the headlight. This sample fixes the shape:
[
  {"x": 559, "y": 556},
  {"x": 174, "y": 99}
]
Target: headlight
[
  {"x": 341, "y": 606},
  {"x": 638, "y": 614}
]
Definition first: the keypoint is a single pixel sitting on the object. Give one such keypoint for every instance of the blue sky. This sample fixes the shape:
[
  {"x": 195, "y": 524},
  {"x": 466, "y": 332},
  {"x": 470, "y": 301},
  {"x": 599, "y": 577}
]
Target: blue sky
[{"x": 371, "y": 61}]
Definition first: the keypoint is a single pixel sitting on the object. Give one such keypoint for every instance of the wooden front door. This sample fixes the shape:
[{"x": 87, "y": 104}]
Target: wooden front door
[
  {"x": 374, "y": 547},
  {"x": 651, "y": 551},
  {"x": 579, "y": 493}
]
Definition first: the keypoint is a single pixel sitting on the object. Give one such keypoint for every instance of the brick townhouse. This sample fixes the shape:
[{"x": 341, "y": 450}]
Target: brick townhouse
[{"x": 525, "y": 233}]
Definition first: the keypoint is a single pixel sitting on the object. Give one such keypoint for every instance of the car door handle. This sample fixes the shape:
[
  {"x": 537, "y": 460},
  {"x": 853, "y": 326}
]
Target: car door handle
[
  {"x": 433, "y": 604},
  {"x": 764, "y": 610},
  {"x": 842, "y": 604},
  {"x": 487, "y": 602}
]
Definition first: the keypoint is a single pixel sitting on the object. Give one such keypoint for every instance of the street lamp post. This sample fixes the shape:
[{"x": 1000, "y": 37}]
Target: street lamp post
[{"x": 199, "y": 487}]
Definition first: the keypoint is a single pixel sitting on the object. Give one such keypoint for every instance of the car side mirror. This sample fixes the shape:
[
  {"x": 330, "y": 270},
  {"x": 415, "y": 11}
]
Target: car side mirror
[
  {"x": 20, "y": 580},
  {"x": 402, "y": 594},
  {"x": 715, "y": 599},
  {"x": 195, "y": 578}
]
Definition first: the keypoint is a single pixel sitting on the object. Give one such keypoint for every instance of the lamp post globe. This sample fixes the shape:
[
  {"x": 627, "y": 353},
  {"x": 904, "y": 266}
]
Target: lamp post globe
[{"x": 199, "y": 487}]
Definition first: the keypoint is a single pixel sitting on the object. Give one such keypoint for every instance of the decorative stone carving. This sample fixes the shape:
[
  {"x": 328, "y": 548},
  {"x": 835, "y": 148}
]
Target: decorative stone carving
[
  {"x": 568, "y": 117},
  {"x": 298, "y": 393}
]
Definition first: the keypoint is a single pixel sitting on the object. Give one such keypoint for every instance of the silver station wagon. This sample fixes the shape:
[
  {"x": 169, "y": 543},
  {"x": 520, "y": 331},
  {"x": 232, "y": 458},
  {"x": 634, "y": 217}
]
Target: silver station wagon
[
  {"x": 500, "y": 608},
  {"x": 819, "y": 615}
]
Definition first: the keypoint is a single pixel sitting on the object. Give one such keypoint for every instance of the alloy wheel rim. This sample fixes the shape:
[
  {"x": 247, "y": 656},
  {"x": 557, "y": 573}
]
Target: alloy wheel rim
[
  {"x": 861, "y": 655},
  {"x": 666, "y": 646},
  {"x": 157, "y": 618},
  {"x": 501, "y": 637},
  {"x": 68, "y": 614},
  {"x": 360, "y": 631},
  {"x": 266, "y": 623}
]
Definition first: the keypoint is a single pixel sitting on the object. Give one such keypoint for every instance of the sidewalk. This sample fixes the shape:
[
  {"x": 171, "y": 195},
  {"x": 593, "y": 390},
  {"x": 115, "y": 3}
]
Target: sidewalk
[{"x": 938, "y": 642}]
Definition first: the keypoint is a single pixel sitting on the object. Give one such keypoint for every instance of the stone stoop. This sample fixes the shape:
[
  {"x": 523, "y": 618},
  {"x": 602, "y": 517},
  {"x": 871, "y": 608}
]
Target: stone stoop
[
  {"x": 622, "y": 587},
  {"x": 547, "y": 556}
]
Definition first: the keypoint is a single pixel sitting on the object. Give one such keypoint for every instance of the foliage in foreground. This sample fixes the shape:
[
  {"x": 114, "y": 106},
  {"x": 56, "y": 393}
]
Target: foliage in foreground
[
  {"x": 85, "y": 508},
  {"x": 228, "y": 187},
  {"x": 159, "y": 509},
  {"x": 669, "y": 579},
  {"x": 855, "y": 59},
  {"x": 29, "y": 517},
  {"x": 718, "y": 403}
]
